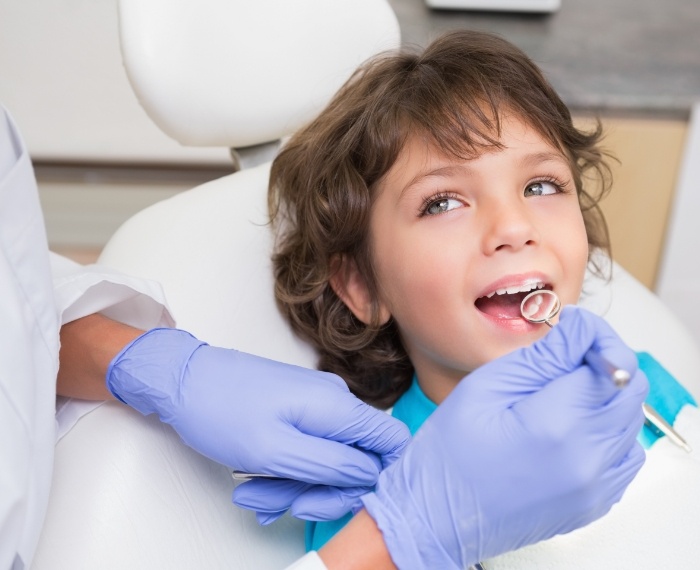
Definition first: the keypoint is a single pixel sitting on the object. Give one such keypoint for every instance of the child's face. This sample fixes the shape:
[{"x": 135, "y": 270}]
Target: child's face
[{"x": 446, "y": 233}]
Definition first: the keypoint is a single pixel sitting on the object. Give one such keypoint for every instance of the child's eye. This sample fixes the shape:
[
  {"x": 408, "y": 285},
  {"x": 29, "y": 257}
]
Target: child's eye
[
  {"x": 541, "y": 188},
  {"x": 439, "y": 205}
]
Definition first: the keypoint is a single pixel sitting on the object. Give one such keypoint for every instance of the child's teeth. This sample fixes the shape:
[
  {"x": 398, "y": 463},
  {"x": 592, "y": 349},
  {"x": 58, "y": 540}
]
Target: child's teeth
[{"x": 517, "y": 289}]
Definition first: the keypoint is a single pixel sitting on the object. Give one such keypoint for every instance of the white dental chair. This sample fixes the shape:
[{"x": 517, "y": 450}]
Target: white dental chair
[{"x": 127, "y": 493}]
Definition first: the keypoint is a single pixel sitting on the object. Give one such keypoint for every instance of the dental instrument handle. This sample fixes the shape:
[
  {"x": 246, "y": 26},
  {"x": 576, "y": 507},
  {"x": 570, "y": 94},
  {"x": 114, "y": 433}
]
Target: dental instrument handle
[
  {"x": 604, "y": 367},
  {"x": 621, "y": 378},
  {"x": 654, "y": 418},
  {"x": 245, "y": 476}
]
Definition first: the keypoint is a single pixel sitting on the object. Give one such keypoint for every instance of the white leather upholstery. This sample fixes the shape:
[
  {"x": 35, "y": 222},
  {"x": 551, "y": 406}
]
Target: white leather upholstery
[
  {"x": 239, "y": 73},
  {"x": 215, "y": 240},
  {"x": 127, "y": 494}
]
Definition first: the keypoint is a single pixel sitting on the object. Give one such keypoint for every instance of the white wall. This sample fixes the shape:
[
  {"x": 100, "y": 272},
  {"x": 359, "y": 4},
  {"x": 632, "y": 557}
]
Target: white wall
[
  {"x": 62, "y": 78},
  {"x": 679, "y": 276}
]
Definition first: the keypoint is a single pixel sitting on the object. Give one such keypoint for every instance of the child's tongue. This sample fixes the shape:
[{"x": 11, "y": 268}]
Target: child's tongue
[{"x": 501, "y": 306}]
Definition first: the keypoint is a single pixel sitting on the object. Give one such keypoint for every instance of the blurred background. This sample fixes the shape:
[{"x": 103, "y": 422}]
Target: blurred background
[{"x": 635, "y": 64}]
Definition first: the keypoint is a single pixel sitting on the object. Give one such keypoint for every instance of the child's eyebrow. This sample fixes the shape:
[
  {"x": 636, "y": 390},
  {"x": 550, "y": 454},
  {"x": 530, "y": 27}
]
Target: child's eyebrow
[
  {"x": 440, "y": 172},
  {"x": 537, "y": 158}
]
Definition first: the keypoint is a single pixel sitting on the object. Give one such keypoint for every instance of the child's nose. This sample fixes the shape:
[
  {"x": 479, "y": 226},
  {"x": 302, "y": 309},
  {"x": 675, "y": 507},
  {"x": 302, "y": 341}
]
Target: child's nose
[{"x": 509, "y": 227}]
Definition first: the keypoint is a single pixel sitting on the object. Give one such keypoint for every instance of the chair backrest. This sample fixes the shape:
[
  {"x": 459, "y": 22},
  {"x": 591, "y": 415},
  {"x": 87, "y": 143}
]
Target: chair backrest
[
  {"x": 210, "y": 248},
  {"x": 239, "y": 73}
]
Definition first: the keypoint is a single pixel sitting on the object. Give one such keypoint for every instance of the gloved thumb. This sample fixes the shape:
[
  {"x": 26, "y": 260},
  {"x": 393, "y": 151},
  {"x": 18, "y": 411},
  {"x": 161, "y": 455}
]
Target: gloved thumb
[{"x": 579, "y": 331}]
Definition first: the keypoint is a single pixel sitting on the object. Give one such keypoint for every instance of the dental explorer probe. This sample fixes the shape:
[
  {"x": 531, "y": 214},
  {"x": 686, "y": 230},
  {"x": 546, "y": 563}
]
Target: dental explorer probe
[{"x": 542, "y": 305}]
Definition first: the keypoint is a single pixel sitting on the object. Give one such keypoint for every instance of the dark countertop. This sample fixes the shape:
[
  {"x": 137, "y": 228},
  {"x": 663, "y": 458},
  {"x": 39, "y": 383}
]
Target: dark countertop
[{"x": 637, "y": 57}]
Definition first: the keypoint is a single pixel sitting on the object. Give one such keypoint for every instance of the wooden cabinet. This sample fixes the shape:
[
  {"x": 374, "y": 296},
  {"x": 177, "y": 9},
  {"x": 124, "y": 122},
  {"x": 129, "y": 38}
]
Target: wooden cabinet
[{"x": 637, "y": 209}]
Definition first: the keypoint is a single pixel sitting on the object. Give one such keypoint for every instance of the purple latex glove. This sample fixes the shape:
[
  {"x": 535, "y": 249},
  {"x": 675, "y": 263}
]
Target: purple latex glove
[
  {"x": 530, "y": 445},
  {"x": 258, "y": 415},
  {"x": 270, "y": 499}
]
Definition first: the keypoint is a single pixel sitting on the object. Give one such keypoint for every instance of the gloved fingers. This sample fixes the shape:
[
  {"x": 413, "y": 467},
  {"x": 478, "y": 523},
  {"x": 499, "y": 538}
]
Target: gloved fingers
[
  {"x": 322, "y": 503},
  {"x": 265, "y": 519},
  {"x": 626, "y": 405},
  {"x": 558, "y": 409},
  {"x": 618, "y": 446},
  {"x": 626, "y": 470},
  {"x": 579, "y": 330},
  {"x": 352, "y": 422},
  {"x": 314, "y": 460},
  {"x": 271, "y": 498},
  {"x": 620, "y": 420},
  {"x": 525, "y": 371},
  {"x": 268, "y": 496},
  {"x": 586, "y": 387},
  {"x": 617, "y": 479}
]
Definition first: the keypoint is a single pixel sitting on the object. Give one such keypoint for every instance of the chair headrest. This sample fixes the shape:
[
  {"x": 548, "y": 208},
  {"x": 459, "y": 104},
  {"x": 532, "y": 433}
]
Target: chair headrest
[{"x": 239, "y": 73}]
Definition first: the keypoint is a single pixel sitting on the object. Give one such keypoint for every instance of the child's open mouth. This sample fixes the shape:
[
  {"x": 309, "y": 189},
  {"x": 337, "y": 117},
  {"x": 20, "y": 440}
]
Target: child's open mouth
[{"x": 505, "y": 303}]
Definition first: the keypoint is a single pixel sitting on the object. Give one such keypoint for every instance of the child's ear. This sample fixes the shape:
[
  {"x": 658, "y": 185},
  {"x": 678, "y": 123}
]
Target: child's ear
[{"x": 351, "y": 286}]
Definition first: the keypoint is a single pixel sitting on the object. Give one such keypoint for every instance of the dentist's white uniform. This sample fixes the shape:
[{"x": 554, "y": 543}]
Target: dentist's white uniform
[
  {"x": 40, "y": 291},
  {"x": 32, "y": 308},
  {"x": 28, "y": 355}
]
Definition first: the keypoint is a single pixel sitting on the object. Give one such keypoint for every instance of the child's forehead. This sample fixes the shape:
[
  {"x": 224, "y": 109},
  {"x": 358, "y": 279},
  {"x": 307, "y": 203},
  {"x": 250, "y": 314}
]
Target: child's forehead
[{"x": 448, "y": 145}]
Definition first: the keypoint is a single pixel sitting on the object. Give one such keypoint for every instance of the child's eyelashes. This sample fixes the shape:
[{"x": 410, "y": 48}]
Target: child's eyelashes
[
  {"x": 544, "y": 187},
  {"x": 439, "y": 204},
  {"x": 443, "y": 202}
]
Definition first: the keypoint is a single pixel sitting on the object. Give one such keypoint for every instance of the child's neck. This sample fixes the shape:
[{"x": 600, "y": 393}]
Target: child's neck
[{"x": 436, "y": 386}]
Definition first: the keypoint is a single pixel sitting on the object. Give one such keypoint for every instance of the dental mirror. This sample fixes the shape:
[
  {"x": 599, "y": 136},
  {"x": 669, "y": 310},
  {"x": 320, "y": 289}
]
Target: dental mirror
[{"x": 540, "y": 306}]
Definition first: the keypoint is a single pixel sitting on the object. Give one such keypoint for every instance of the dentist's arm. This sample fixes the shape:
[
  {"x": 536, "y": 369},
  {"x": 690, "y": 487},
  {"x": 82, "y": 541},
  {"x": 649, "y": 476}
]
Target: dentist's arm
[
  {"x": 243, "y": 411},
  {"x": 88, "y": 345},
  {"x": 343, "y": 551}
]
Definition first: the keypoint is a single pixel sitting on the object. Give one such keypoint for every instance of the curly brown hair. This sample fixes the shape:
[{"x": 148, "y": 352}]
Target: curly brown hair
[{"x": 321, "y": 186}]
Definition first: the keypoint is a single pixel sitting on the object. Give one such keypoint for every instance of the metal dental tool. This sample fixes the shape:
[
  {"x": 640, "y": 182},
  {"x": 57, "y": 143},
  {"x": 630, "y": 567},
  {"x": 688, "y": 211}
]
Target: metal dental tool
[
  {"x": 541, "y": 306},
  {"x": 244, "y": 476},
  {"x": 654, "y": 419}
]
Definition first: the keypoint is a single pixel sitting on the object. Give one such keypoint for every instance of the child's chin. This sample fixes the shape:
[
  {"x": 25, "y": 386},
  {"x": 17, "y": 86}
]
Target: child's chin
[{"x": 515, "y": 342}]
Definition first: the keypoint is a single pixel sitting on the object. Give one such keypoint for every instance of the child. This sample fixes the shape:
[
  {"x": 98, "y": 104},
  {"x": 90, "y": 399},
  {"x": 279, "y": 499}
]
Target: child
[{"x": 433, "y": 193}]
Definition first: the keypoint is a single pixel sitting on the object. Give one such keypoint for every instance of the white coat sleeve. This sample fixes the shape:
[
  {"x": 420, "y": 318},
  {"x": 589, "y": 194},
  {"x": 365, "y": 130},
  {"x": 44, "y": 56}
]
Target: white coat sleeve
[
  {"x": 309, "y": 562},
  {"x": 82, "y": 290}
]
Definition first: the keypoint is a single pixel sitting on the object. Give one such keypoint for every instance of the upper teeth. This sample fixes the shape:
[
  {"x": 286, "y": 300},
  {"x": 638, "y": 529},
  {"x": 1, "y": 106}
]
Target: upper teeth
[{"x": 524, "y": 288}]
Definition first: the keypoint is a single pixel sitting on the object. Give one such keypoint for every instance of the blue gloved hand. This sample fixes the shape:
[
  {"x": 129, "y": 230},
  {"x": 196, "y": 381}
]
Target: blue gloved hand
[
  {"x": 530, "y": 445},
  {"x": 270, "y": 499},
  {"x": 258, "y": 415}
]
